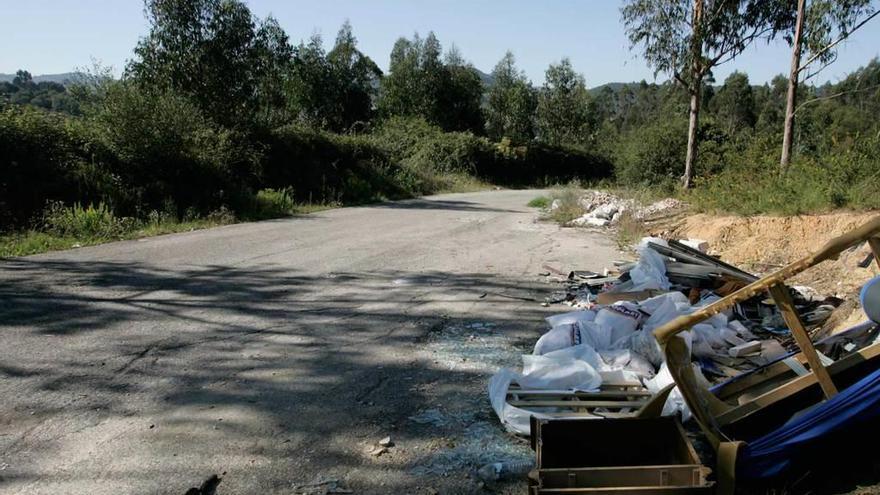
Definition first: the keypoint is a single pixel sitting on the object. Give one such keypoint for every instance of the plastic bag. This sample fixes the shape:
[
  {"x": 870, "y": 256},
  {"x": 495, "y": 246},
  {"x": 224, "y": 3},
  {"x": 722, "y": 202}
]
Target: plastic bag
[
  {"x": 569, "y": 369},
  {"x": 621, "y": 319},
  {"x": 559, "y": 337},
  {"x": 650, "y": 270},
  {"x": 579, "y": 316}
]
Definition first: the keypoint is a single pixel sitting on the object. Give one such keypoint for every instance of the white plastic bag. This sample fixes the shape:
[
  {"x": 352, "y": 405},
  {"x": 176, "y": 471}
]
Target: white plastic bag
[
  {"x": 559, "y": 337},
  {"x": 579, "y": 316},
  {"x": 568, "y": 369},
  {"x": 650, "y": 270},
  {"x": 621, "y": 319}
]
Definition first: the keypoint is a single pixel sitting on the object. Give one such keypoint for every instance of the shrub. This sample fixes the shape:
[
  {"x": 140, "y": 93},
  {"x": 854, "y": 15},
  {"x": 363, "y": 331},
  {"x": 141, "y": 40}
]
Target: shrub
[
  {"x": 161, "y": 146},
  {"x": 42, "y": 158},
  {"x": 652, "y": 156},
  {"x": 272, "y": 203},
  {"x": 540, "y": 202},
  {"x": 91, "y": 222},
  {"x": 753, "y": 183}
]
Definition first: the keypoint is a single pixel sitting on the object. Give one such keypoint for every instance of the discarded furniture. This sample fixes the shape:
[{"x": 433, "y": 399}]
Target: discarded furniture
[
  {"x": 613, "y": 400},
  {"x": 619, "y": 456},
  {"x": 760, "y": 423}
]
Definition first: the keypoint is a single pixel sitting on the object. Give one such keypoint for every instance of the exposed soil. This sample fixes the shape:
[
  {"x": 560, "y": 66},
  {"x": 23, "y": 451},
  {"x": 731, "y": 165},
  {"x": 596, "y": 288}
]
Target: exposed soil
[{"x": 764, "y": 243}]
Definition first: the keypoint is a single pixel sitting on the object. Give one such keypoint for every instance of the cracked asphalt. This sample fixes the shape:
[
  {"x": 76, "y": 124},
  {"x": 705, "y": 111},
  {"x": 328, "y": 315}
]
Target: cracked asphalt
[{"x": 272, "y": 354}]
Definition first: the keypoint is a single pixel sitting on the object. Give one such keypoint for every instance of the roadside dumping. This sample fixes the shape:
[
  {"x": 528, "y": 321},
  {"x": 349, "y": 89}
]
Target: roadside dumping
[
  {"x": 607, "y": 344},
  {"x": 679, "y": 334}
]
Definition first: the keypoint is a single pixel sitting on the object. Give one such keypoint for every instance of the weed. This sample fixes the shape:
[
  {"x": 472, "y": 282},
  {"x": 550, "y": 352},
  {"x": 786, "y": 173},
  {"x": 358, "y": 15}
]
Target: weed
[
  {"x": 542, "y": 202},
  {"x": 569, "y": 205},
  {"x": 85, "y": 222}
]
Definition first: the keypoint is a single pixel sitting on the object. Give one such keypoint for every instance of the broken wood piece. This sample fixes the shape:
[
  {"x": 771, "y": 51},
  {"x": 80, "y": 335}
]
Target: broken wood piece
[
  {"x": 745, "y": 349},
  {"x": 639, "y": 295}
]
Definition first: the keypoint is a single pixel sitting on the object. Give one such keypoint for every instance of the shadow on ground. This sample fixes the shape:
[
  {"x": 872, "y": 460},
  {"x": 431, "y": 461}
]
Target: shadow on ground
[{"x": 153, "y": 379}]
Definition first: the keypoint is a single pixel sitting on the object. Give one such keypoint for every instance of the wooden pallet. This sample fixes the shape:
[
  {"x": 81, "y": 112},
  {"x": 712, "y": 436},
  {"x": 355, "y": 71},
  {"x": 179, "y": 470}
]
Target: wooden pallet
[{"x": 612, "y": 400}]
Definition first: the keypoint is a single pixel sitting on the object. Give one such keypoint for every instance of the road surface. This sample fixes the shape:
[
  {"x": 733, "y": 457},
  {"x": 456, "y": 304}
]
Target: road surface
[{"x": 272, "y": 354}]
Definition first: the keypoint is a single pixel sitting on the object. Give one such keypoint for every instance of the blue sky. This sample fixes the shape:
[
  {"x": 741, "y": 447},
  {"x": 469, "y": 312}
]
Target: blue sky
[{"x": 50, "y": 36}]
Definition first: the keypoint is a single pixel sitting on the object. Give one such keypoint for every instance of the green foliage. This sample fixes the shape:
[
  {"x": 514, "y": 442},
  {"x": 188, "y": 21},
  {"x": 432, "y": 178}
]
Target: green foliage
[
  {"x": 212, "y": 52},
  {"x": 752, "y": 183},
  {"x": 93, "y": 221},
  {"x": 511, "y": 103},
  {"x": 420, "y": 84},
  {"x": 652, "y": 156},
  {"x": 734, "y": 105},
  {"x": 46, "y": 95},
  {"x": 563, "y": 115},
  {"x": 161, "y": 146},
  {"x": 272, "y": 203},
  {"x": 42, "y": 156},
  {"x": 542, "y": 202},
  {"x": 332, "y": 91}
]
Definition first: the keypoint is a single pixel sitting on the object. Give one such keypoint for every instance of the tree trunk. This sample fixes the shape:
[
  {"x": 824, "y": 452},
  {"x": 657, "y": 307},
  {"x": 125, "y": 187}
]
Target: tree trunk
[
  {"x": 695, "y": 87},
  {"x": 693, "y": 122},
  {"x": 791, "y": 99}
]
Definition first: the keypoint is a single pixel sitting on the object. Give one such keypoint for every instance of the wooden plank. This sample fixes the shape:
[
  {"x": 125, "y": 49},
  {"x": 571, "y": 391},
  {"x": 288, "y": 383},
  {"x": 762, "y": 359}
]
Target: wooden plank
[
  {"x": 802, "y": 337},
  {"x": 731, "y": 390},
  {"x": 874, "y": 243},
  {"x": 831, "y": 249},
  {"x": 580, "y": 404},
  {"x": 635, "y": 476},
  {"x": 796, "y": 385},
  {"x": 604, "y": 394}
]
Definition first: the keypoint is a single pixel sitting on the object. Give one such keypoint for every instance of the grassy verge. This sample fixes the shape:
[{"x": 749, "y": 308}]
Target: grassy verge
[
  {"x": 81, "y": 231},
  {"x": 72, "y": 227}
]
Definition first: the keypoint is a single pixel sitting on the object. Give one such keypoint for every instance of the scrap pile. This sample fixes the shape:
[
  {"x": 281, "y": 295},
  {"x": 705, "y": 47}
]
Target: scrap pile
[
  {"x": 602, "y": 359},
  {"x": 602, "y": 208}
]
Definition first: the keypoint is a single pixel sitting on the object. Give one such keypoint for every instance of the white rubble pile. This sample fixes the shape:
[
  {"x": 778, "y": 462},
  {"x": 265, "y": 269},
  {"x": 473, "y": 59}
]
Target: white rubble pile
[
  {"x": 602, "y": 208},
  {"x": 582, "y": 348}
]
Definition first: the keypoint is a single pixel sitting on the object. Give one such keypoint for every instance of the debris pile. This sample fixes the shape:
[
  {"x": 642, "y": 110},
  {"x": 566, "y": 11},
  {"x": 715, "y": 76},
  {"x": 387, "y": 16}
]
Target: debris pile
[
  {"x": 602, "y": 208},
  {"x": 602, "y": 359}
]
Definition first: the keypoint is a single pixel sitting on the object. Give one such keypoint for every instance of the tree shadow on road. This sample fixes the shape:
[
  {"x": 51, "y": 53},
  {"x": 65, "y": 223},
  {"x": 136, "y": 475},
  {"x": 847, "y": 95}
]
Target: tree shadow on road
[{"x": 270, "y": 375}]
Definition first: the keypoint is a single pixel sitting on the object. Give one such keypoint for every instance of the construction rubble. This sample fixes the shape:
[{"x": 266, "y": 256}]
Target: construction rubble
[
  {"x": 602, "y": 208},
  {"x": 601, "y": 360},
  {"x": 609, "y": 339}
]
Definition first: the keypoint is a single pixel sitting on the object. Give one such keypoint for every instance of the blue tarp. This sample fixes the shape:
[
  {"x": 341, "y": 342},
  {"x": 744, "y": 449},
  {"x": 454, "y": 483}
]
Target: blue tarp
[{"x": 851, "y": 409}]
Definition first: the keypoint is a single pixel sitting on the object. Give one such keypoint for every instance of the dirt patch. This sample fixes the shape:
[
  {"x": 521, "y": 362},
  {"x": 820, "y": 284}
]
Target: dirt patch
[{"x": 762, "y": 244}]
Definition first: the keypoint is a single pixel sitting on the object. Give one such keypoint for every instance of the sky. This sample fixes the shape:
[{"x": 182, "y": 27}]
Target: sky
[{"x": 53, "y": 36}]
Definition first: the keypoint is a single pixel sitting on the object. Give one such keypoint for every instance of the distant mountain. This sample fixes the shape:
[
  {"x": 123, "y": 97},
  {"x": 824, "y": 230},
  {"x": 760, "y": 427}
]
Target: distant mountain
[
  {"x": 487, "y": 79},
  {"x": 614, "y": 86},
  {"x": 64, "y": 78}
]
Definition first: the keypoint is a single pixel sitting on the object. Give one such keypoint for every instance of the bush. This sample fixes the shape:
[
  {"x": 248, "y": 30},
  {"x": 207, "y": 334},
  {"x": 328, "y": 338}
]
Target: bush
[
  {"x": 652, "y": 156},
  {"x": 271, "y": 203},
  {"x": 540, "y": 202},
  {"x": 42, "y": 157},
  {"x": 427, "y": 151},
  {"x": 161, "y": 146},
  {"x": 86, "y": 223},
  {"x": 320, "y": 167},
  {"x": 753, "y": 183}
]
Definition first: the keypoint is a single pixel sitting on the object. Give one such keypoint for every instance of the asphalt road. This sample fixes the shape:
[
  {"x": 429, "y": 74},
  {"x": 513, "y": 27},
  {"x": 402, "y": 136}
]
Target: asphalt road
[{"x": 272, "y": 354}]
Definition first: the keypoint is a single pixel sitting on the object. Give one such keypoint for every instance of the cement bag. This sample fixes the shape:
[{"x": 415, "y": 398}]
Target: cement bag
[
  {"x": 595, "y": 335},
  {"x": 626, "y": 360},
  {"x": 579, "y": 316},
  {"x": 621, "y": 318},
  {"x": 573, "y": 368},
  {"x": 650, "y": 270},
  {"x": 645, "y": 345},
  {"x": 559, "y": 337}
]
